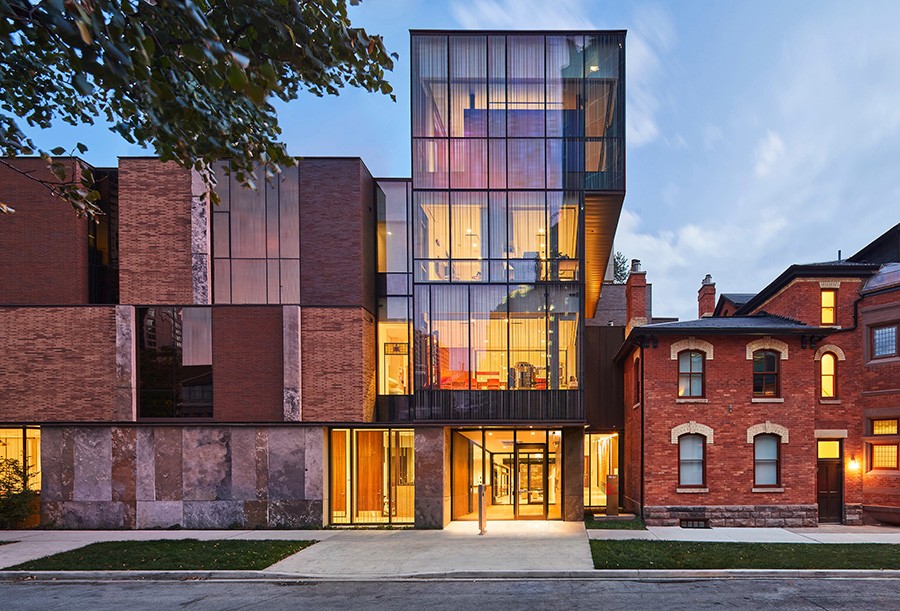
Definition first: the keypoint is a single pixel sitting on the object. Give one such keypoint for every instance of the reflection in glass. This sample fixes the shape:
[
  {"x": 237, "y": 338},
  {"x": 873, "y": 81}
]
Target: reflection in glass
[{"x": 393, "y": 346}]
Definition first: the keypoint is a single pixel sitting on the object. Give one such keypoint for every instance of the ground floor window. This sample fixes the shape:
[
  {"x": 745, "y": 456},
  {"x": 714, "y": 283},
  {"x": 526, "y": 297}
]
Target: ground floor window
[
  {"x": 520, "y": 469},
  {"x": 23, "y": 444},
  {"x": 372, "y": 476},
  {"x": 601, "y": 459}
]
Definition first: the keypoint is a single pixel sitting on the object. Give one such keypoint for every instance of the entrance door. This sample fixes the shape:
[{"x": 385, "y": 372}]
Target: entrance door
[
  {"x": 531, "y": 481},
  {"x": 830, "y": 479}
]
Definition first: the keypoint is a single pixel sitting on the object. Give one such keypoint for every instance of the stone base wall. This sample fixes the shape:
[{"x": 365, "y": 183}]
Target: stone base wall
[
  {"x": 214, "y": 476},
  {"x": 736, "y": 515},
  {"x": 853, "y": 514}
]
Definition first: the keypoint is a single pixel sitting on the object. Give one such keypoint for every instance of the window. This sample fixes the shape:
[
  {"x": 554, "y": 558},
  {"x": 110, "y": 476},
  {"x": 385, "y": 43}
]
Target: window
[
  {"x": 765, "y": 373},
  {"x": 829, "y": 302},
  {"x": 766, "y": 460},
  {"x": 690, "y": 374},
  {"x": 884, "y": 342},
  {"x": 828, "y": 448},
  {"x": 691, "y": 455},
  {"x": 829, "y": 376},
  {"x": 884, "y": 427},
  {"x": 884, "y": 456},
  {"x": 637, "y": 381}
]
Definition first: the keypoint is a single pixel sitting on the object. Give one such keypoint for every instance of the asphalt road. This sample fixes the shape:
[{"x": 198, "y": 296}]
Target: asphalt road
[{"x": 868, "y": 594}]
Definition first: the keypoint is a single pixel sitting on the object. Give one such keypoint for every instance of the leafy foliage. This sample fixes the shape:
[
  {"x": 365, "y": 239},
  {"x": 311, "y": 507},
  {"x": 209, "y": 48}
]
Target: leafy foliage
[
  {"x": 15, "y": 497},
  {"x": 193, "y": 79},
  {"x": 620, "y": 268}
]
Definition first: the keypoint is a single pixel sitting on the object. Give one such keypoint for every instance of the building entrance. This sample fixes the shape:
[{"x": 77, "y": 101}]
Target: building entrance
[
  {"x": 829, "y": 481},
  {"x": 521, "y": 471}
]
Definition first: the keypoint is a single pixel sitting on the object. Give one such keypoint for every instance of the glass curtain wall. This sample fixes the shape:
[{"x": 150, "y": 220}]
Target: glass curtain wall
[
  {"x": 509, "y": 132},
  {"x": 372, "y": 476}
]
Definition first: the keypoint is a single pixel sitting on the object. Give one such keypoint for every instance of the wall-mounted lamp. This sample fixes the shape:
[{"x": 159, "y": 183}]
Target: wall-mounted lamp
[{"x": 854, "y": 464}]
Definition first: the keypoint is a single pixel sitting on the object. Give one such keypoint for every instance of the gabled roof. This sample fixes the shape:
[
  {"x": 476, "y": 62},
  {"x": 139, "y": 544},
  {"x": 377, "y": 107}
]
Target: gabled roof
[
  {"x": 888, "y": 277},
  {"x": 738, "y": 299},
  {"x": 883, "y": 249},
  {"x": 824, "y": 269}
]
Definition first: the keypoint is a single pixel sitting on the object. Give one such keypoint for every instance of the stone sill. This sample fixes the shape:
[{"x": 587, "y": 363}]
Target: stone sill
[
  {"x": 830, "y": 401},
  {"x": 880, "y": 472},
  {"x": 691, "y": 490},
  {"x": 767, "y": 490},
  {"x": 883, "y": 360},
  {"x": 698, "y": 400},
  {"x": 767, "y": 400},
  {"x": 635, "y": 406}
]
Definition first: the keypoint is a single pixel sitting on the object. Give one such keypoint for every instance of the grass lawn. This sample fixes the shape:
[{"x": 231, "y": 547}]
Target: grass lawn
[
  {"x": 635, "y": 524},
  {"x": 168, "y": 555},
  {"x": 702, "y": 555}
]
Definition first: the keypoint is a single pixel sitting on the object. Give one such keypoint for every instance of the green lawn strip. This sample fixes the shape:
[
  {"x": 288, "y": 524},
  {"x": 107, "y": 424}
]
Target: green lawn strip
[
  {"x": 168, "y": 555},
  {"x": 635, "y": 524},
  {"x": 641, "y": 554}
]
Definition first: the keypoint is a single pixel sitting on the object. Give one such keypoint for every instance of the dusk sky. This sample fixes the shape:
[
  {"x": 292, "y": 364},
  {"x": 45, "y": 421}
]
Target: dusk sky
[{"x": 759, "y": 134}]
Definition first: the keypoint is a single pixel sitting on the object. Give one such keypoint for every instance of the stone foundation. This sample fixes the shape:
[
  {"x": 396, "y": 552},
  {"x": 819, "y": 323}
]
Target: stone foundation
[
  {"x": 182, "y": 476},
  {"x": 853, "y": 514},
  {"x": 736, "y": 515}
]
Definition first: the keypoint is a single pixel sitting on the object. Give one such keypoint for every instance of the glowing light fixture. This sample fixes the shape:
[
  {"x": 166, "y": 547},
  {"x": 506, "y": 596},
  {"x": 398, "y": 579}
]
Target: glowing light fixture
[{"x": 854, "y": 464}]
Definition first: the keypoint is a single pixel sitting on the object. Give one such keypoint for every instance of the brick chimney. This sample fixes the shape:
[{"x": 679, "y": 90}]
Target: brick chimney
[
  {"x": 635, "y": 297},
  {"x": 706, "y": 298}
]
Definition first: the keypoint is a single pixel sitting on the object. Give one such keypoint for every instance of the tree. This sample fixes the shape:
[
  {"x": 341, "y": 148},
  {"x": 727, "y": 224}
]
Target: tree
[
  {"x": 193, "y": 79},
  {"x": 16, "y": 498},
  {"x": 620, "y": 268}
]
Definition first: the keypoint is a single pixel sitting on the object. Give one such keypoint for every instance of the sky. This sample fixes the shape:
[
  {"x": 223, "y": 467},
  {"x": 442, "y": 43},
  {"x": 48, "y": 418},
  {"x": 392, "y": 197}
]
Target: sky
[{"x": 759, "y": 134}]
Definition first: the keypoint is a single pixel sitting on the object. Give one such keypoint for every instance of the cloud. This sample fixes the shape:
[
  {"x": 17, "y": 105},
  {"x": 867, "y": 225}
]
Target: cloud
[
  {"x": 522, "y": 15},
  {"x": 769, "y": 152}
]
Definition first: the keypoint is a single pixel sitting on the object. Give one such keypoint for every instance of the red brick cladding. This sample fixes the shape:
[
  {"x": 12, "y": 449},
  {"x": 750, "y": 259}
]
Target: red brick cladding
[
  {"x": 631, "y": 488},
  {"x": 154, "y": 232},
  {"x": 248, "y": 362},
  {"x": 801, "y": 300},
  {"x": 729, "y": 412},
  {"x": 337, "y": 234},
  {"x": 59, "y": 364},
  {"x": 44, "y": 243},
  {"x": 337, "y": 364}
]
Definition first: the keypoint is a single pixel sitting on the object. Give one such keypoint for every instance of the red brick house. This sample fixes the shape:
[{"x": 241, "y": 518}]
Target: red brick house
[{"x": 774, "y": 409}]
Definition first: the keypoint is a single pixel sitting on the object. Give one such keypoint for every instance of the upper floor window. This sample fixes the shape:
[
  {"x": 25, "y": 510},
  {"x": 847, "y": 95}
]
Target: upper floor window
[
  {"x": 884, "y": 342},
  {"x": 637, "y": 381},
  {"x": 829, "y": 303},
  {"x": 884, "y": 456},
  {"x": 884, "y": 427},
  {"x": 766, "y": 461},
  {"x": 765, "y": 373},
  {"x": 829, "y": 376},
  {"x": 691, "y": 382},
  {"x": 691, "y": 458}
]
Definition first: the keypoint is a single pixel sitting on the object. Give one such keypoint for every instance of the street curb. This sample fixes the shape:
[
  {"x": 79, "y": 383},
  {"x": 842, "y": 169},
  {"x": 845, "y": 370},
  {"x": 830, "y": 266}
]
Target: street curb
[{"x": 264, "y": 576}]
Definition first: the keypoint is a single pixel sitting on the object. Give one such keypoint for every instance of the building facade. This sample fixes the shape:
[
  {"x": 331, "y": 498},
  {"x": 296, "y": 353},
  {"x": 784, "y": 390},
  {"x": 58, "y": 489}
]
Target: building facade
[
  {"x": 771, "y": 409},
  {"x": 333, "y": 348}
]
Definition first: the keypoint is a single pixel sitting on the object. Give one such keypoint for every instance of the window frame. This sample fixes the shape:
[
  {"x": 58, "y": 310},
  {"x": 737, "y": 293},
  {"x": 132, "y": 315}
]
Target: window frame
[
  {"x": 703, "y": 440},
  {"x": 896, "y": 466},
  {"x": 872, "y": 422},
  {"x": 777, "y": 439},
  {"x": 777, "y": 374},
  {"x": 896, "y": 352},
  {"x": 691, "y": 373},
  {"x": 834, "y": 377},
  {"x": 832, "y": 308},
  {"x": 637, "y": 381}
]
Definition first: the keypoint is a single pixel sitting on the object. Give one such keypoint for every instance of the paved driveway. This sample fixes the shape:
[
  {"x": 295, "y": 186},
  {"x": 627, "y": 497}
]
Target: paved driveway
[{"x": 507, "y": 546}]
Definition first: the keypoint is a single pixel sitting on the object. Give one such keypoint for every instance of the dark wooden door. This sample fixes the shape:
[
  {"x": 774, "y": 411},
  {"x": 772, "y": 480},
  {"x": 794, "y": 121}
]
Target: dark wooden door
[{"x": 830, "y": 495}]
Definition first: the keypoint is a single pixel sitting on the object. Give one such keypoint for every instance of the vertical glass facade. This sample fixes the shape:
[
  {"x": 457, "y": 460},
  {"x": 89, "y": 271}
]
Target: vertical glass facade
[{"x": 509, "y": 132}]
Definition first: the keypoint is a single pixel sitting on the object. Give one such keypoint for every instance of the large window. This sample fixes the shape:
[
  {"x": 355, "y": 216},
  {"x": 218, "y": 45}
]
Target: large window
[
  {"x": 766, "y": 450},
  {"x": 765, "y": 373},
  {"x": 829, "y": 305},
  {"x": 884, "y": 456},
  {"x": 828, "y": 376},
  {"x": 884, "y": 342},
  {"x": 372, "y": 476},
  {"x": 690, "y": 374},
  {"x": 23, "y": 444},
  {"x": 175, "y": 362},
  {"x": 691, "y": 459}
]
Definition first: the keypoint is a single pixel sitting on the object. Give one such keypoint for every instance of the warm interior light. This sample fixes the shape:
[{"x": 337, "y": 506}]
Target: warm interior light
[{"x": 595, "y": 68}]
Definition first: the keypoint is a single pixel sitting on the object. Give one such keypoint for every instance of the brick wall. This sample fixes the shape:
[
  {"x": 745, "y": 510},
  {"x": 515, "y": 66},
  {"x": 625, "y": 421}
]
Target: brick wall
[
  {"x": 154, "y": 232},
  {"x": 801, "y": 300},
  {"x": 58, "y": 364},
  {"x": 631, "y": 488},
  {"x": 248, "y": 360},
  {"x": 337, "y": 364},
  {"x": 44, "y": 243}
]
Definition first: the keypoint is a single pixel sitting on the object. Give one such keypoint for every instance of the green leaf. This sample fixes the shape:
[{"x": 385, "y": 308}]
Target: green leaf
[{"x": 58, "y": 151}]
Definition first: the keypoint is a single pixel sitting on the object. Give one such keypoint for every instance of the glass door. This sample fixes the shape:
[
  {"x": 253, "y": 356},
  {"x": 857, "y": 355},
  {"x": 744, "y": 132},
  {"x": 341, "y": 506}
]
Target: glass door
[{"x": 531, "y": 481}]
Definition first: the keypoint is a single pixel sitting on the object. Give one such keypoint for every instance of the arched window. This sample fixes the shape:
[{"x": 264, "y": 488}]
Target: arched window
[
  {"x": 765, "y": 374},
  {"x": 829, "y": 375},
  {"x": 691, "y": 382},
  {"x": 766, "y": 460},
  {"x": 691, "y": 460}
]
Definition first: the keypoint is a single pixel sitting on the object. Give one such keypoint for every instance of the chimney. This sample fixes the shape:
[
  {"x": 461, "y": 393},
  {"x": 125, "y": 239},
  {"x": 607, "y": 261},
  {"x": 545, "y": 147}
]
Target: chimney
[
  {"x": 636, "y": 297},
  {"x": 706, "y": 298}
]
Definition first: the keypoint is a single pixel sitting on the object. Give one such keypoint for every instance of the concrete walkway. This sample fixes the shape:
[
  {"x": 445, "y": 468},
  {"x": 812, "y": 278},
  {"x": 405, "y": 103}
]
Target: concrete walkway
[
  {"x": 506, "y": 546},
  {"x": 822, "y": 534}
]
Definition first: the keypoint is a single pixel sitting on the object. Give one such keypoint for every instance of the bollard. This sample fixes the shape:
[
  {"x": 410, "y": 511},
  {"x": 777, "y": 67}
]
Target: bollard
[{"x": 482, "y": 510}]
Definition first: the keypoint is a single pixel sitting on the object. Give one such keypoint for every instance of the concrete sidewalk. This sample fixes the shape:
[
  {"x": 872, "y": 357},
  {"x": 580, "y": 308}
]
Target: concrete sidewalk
[{"x": 823, "y": 534}]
